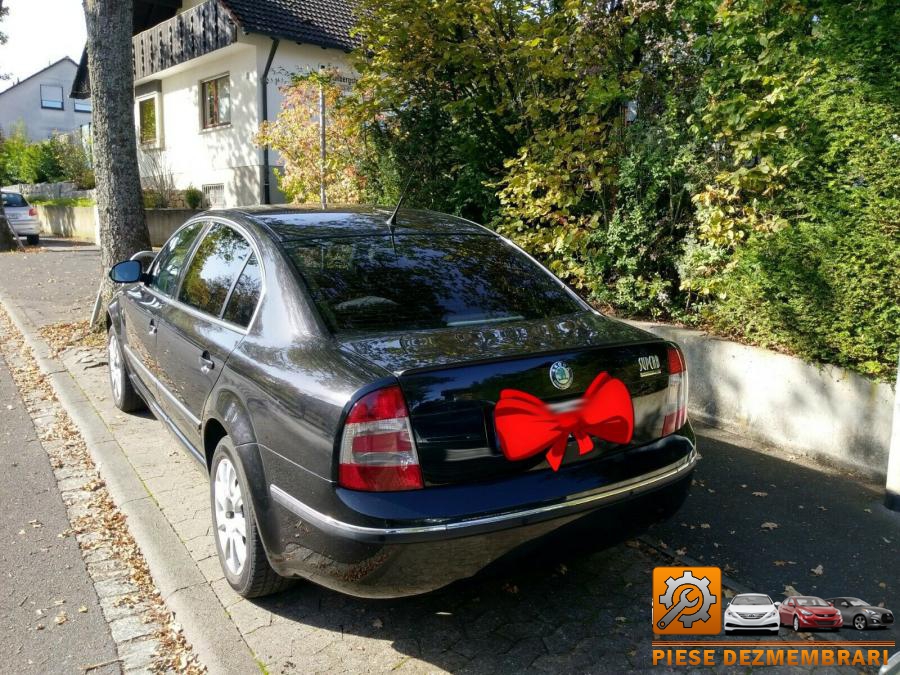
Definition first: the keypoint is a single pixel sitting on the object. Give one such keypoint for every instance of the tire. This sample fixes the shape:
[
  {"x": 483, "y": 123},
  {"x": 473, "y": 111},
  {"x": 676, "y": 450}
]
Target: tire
[
  {"x": 123, "y": 393},
  {"x": 796, "y": 624},
  {"x": 238, "y": 544},
  {"x": 860, "y": 622},
  {"x": 33, "y": 239}
]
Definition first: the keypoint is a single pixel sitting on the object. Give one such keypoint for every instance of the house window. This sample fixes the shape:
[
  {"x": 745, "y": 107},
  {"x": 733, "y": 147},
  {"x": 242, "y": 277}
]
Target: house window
[
  {"x": 51, "y": 97},
  {"x": 214, "y": 194},
  {"x": 147, "y": 121},
  {"x": 83, "y": 106},
  {"x": 215, "y": 98}
]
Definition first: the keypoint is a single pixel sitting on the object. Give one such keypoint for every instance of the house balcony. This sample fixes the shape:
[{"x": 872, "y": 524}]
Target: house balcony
[{"x": 192, "y": 33}]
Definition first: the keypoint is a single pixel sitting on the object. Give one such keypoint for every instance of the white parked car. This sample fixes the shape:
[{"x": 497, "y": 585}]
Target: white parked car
[
  {"x": 23, "y": 217},
  {"x": 751, "y": 611}
]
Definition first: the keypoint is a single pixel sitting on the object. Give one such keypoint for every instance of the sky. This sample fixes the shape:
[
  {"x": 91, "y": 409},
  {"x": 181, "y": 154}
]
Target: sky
[{"x": 40, "y": 32}]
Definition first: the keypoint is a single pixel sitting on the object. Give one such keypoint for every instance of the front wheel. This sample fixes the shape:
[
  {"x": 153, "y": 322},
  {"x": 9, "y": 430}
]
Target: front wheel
[
  {"x": 859, "y": 622},
  {"x": 238, "y": 543},
  {"x": 796, "y": 624},
  {"x": 124, "y": 395}
]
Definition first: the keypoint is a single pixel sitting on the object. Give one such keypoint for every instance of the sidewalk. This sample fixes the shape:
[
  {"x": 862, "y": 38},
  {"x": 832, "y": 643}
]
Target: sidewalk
[{"x": 581, "y": 613}]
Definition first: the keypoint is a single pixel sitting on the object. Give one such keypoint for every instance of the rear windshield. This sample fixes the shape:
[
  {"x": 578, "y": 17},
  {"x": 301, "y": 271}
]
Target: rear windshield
[
  {"x": 11, "y": 200},
  {"x": 369, "y": 284}
]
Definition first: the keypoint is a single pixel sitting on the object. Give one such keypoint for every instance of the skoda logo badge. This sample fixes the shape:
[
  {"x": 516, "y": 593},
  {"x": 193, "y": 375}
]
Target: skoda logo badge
[{"x": 561, "y": 375}]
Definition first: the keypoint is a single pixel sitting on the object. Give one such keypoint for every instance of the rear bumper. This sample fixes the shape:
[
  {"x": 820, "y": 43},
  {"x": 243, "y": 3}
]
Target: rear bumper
[
  {"x": 26, "y": 227},
  {"x": 394, "y": 558},
  {"x": 489, "y": 523}
]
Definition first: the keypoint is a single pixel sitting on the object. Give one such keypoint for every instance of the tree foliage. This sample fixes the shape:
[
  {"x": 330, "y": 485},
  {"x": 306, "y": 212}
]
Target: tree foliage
[
  {"x": 754, "y": 191},
  {"x": 295, "y": 135}
]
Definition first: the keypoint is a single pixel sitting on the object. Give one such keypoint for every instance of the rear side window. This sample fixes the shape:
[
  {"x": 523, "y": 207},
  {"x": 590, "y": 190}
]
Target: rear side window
[
  {"x": 245, "y": 295},
  {"x": 416, "y": 282},
  {"x": 219, "y": 259},
  {"x": 13, "y": 201},
  {"x": 169, "y": 261}
]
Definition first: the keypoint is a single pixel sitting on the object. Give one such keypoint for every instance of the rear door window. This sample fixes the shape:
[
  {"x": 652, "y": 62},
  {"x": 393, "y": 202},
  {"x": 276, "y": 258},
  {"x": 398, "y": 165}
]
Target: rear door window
[
  {"x": 215, "y": 267},
  {"x": 245, "y": 295},
  {"x": 169, "y": 261},
  {"x": 416, "y": 282}
]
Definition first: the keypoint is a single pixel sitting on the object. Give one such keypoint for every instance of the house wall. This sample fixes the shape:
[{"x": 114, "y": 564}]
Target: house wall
[
  {"x": 21, "y": 104},
  {"x": 226, "y": 155}
]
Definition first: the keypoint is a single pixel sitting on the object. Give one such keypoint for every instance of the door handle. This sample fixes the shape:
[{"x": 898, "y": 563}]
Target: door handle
[
  {"x": 206, "y": 362},
  {"x": 152, "y": 329}
]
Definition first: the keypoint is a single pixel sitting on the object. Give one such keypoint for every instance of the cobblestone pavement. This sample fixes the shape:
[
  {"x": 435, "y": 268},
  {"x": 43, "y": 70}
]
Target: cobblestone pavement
[{"x": 575, "y": 613}]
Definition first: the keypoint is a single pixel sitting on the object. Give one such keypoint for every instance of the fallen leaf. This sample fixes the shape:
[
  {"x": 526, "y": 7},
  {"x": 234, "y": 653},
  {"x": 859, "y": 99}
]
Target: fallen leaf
[
  {"x": 83, "y": 609},
  {"x": 378, "y": 623},
  {"x": 769, "y": 526},
  {"x": 818, "y": 570},
  {"x": 868, "y": 510},
  {"x": 882, "y": 585},
  {"x": 61, "y": 618},
  {"x": 40, "y": 626},
  {"x": 790, "y": 590},
  {"x": 35, "y": 523},
  {"x": 512, "y": 589},
  {"x": 704, "y": 526},
  {"x": 743, "y": 485},
  {"x": 886, "y": 540},
  {"x": 562, "y": 569},
  {"x": 780, "y": 563},
  {"x": 681, "y": 551},
  {"x": 822, "y": 508},
  {"x": 716, "y": 544},
  {"x": 621, "y": 619},
  {"x": 728, "y": 593},
  {"x": 760, "y": 494}
]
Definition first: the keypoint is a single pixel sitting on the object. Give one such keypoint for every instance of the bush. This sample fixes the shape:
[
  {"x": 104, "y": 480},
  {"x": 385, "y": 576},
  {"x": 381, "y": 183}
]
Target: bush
[{"x": 193, "y": 197}]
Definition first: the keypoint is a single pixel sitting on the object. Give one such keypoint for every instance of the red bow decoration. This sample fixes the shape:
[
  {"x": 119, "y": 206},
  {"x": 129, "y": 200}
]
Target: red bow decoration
[{"x": 526, "y": 426}]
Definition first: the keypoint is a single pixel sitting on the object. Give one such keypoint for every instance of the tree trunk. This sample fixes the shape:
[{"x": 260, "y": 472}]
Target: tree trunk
[
  {"x": 123, "y": 230},
  {"x": 8, "y": 239}
]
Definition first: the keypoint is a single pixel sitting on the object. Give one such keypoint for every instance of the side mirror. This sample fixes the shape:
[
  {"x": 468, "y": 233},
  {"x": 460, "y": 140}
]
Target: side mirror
[
  {"x": 144, "y": 257},
  {"x": 831, "y": 603},
  {"x": 778, "y": 604},
  {"x": 126, "y": 272}
]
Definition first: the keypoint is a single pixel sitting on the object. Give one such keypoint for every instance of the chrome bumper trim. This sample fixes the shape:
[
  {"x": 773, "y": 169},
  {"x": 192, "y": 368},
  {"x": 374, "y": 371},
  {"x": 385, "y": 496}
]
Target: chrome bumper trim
[{"x": 629, "y": 488}]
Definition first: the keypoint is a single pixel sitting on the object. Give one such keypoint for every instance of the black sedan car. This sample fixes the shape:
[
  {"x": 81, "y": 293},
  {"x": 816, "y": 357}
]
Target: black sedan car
[
  {"x": 861, "y": 615},
  {"x": 384, "y": 408}
]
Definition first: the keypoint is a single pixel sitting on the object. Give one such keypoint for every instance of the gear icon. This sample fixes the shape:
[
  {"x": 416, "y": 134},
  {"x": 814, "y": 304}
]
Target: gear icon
[{"x": 688, "y": 579}]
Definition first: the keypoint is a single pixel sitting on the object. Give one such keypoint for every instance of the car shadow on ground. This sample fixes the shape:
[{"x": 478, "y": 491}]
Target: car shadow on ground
[{"x": 578, "y": 600}]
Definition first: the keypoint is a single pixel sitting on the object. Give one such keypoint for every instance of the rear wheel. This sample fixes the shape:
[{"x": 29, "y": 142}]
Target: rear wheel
[
  {"x": 124, "y": 395},
  {"x": 33, "y": 239},
  {"x": 238, "y": 543},
  {"x": 859, "y": 622}
]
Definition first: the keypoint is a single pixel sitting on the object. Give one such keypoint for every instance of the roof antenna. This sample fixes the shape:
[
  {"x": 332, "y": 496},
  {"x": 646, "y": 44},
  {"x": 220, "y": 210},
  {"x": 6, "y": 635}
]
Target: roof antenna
[{"x": 392, "y": 219}]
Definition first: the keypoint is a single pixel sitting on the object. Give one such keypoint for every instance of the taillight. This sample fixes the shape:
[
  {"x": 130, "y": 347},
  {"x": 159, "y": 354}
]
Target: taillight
[
  {"x": 32, "y": 211},
  {"x": 378, "y": 453},
  {"x": 677, "y": 394}
]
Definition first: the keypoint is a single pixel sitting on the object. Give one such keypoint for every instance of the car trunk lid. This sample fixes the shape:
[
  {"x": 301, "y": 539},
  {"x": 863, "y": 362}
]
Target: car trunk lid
[{"x": 452, "y": 379}]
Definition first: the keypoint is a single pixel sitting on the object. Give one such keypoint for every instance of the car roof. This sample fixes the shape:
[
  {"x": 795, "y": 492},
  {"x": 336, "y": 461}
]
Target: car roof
[{"x": 298, "y": 222}]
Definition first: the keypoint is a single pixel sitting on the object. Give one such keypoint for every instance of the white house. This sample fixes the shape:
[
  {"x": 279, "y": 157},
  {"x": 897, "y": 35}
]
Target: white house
[
  {"x": 41, "y": 104},
  {"x": 208, "y": 74}
]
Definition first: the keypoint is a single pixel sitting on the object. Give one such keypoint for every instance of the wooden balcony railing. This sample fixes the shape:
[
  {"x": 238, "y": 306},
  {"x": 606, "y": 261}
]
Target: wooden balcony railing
[{"x": 195, "y": 32}]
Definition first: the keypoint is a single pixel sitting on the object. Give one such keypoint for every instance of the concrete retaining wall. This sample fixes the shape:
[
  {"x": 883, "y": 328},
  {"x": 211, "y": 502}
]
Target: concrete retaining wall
[
  {"x": 80, "y": 222},
  {"x": 822, "y": 411}
]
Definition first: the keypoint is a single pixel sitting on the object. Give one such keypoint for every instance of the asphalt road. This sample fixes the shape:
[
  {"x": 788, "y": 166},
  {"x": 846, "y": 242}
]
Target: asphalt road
[
  {"x": 823, "y": 518},
  {"x": 42, "y": 573}
]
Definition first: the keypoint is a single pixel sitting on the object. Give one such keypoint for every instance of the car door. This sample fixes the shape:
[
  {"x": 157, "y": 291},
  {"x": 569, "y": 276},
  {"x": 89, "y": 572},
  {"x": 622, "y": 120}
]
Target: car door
[
  {"x": 196, "y": 336},
  {"x": 786, "y": 611},
  {"x": 142, "y": 302}
]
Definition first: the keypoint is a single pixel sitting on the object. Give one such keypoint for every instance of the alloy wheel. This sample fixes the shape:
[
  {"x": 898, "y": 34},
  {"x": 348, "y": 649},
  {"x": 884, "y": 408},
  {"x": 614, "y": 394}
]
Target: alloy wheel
[
  {"x": 859, "y": 622},
  {"x": 116, "y": 372},
  {"x": 231, "y": 521},
  {"x": 796, "y": 625}
]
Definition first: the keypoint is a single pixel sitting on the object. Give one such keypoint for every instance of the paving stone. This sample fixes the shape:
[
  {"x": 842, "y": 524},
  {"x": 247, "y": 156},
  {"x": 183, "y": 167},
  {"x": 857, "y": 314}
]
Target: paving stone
[
  {"x": 129, "y": 628},
  {"x": 248, "y": 617},
  {"x": 109, "y": 588},
  {"x": 138, "y": 653}
]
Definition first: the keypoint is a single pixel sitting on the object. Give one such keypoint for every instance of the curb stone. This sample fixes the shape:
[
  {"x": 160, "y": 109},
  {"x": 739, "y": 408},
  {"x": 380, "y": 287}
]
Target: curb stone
[{"x": 216, "y": 641}]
